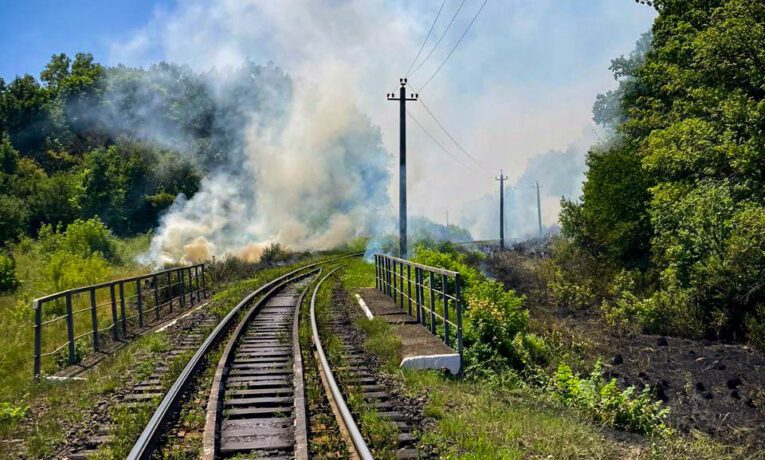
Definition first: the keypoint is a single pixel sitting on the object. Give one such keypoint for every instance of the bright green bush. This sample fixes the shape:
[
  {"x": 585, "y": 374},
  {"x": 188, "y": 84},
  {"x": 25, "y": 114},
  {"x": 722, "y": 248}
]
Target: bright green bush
[
  {"x": 11, "y": 414},
  {"x": 604, "y": 401},
  {"x": 8, "y": 279},
  {"x": 66, "y": 270},
  {"x": 82, "y": 237}
]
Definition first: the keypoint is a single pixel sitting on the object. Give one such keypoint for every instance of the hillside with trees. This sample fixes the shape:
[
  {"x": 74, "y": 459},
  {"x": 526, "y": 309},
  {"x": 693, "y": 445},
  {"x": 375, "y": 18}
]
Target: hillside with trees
[{"x": 674, "y": 205}]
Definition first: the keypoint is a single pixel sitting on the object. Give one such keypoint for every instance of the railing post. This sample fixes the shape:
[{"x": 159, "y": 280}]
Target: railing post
[
  {"x": 155, "y": 281},
  {"x": 170, "y": 289},
  {"x": 122, "y": 310},
  {"x": 199, "y": 286},
  {"x": 387, "y": 276},
  {"x": 458, "y": 295},
  {"x": 94, "y": 317},
  {"x": 432, "y": 305},
  {"x": 140, "y": 301},
  {"x": 181, "y": 287},
  {"x": 70, "y": 328},
  {"x": 446, "y": 309},
  {"x": 408, "y": 288},
  {"x": 417, "y": 304},
  {"x": 377, "y": 278},
  {"x": 38, "y": 338},
  {"x": 191, "y": 288},
  {"x": 204, "y": 286},
  {"x": 115, "y": 320}
]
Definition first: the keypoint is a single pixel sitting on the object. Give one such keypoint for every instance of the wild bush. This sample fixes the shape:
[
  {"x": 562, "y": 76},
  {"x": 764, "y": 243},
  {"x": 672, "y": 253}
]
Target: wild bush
[
  {"x": 83, "y": 238},
  {"x": 274, "y": 253},
  {"x": 8, "y": 279},
  {"x": 570, "y": 294},
  {"x": 603, "y": 400},
  {"x": 66, "y": 270},
  {"x": 493, "y": 317},
  {"x": 11, "y": 414}
]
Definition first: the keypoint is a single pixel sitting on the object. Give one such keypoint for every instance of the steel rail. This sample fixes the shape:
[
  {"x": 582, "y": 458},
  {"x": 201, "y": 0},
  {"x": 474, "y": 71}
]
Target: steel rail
[
  {"x": 144, "y": 446},
  {"x": 347, "y": 417}
]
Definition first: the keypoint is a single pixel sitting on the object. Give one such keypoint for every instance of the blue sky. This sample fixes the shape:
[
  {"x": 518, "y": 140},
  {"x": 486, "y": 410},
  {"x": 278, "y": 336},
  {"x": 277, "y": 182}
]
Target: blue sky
[{"x": 32, "y": 30}]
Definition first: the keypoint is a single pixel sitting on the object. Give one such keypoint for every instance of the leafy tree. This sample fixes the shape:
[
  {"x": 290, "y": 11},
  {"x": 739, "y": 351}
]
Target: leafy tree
[{"x": 691, "y": 145}]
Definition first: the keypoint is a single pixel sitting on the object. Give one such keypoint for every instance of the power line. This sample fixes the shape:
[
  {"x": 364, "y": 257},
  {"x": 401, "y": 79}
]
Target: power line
[
  {"x": 459, "y": 146},
  {"x": 435, "y": 141},
  {"x": 439, "y": 40},
  {"x": 455, "y": 45},
  {"x": 426, "y": 38}
]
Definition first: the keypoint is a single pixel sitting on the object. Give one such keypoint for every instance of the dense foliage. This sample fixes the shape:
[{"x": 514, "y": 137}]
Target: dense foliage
[
  {"x": 119, "y": 143},
  {"x": 679, "y": 193}
]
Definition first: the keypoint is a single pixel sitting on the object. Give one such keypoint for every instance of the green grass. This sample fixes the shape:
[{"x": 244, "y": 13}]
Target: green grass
[
  {"x": 17, "y": 317},
  {"x": 55, "y": 406}
]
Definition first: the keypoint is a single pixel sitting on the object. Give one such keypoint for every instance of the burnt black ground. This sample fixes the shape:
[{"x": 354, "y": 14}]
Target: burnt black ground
[{"x": 710, "y": 386}]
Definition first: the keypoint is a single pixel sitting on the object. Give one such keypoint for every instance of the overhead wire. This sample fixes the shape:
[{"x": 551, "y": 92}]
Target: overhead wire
[
  {"x": 426, "y": 38},
  {"x": 448, "y": 134},
  {"x": 435, "y": 141},
  {"x": 441, "y": 38},
  {"x": 455, "y": 45}
]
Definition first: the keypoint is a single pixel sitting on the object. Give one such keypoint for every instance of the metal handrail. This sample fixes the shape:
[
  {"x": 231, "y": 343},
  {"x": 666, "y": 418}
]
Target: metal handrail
[
  {"x": 393, "y": 277},
  {"x": 118, "y": 297}
]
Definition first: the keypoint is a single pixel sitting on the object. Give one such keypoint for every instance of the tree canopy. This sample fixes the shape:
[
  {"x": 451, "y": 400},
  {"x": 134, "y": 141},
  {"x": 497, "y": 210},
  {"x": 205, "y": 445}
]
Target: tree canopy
[{"x": 680, "y": 190}]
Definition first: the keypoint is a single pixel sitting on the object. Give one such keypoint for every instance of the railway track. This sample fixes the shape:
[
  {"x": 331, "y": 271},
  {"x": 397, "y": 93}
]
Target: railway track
[{"x": 256, "y": 406}]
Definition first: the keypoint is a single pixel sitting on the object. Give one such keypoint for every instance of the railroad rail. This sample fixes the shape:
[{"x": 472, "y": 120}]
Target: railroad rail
[{"x": 346, "y": 420}]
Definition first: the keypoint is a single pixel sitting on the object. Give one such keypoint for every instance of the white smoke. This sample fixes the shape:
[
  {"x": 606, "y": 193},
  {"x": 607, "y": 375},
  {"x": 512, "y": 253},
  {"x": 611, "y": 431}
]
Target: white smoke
[
  {"x": 312, "y": 182},
  {"x": 319, "y": 176}
]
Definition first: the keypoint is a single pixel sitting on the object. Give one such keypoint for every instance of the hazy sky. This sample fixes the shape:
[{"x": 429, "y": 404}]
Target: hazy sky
[{"x": 521, "y": 83}]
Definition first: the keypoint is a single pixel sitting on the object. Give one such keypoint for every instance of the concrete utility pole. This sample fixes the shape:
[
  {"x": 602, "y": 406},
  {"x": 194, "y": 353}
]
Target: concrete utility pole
[
  {"x": 539, "y": 211},
  {"x": 402, "y": 250},
  {"x": 447, "y": 217},
  {"x": 501, "y": 180}
]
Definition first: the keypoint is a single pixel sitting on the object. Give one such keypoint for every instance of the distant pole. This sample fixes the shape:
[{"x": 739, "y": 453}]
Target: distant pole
[
  {"x": 402, "y": 250},
  {"x": 501, "y": 180},
  {"x": 447, "y": 217},
  {"x": 539, "y": 211}
]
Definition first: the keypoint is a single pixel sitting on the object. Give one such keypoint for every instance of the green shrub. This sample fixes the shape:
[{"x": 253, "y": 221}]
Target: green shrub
[
  {"x": 8, "y": 279},
  {"x": 604, "y": 401},
  {"x": 274, "y": 253},
  {"x": 493, "y": 317},
  {"x": 570, "y": 294},
  {"x": 622, "y": 312},
  {"x": 82, "y": 237},
  {"x": 65, "y": 270}
]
